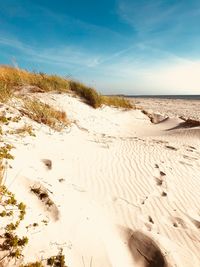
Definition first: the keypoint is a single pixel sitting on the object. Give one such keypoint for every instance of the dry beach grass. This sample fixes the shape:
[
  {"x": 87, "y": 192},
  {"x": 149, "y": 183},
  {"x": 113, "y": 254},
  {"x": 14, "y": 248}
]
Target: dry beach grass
[{"x": 14, "y": 79}]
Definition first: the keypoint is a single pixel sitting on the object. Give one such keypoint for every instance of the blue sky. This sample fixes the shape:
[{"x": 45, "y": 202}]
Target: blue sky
[{"x": 117, "y": 46}]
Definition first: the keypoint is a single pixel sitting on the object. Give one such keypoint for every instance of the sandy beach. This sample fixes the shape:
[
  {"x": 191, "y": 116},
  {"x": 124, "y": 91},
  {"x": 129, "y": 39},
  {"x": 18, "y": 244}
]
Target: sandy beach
[
  {"x": 125, "y": 191},
  {"x": 171, "y": 107}
]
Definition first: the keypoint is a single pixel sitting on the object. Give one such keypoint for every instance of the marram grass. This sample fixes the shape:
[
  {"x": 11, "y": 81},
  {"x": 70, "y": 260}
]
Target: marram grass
[{"x": 13, "y": 79}]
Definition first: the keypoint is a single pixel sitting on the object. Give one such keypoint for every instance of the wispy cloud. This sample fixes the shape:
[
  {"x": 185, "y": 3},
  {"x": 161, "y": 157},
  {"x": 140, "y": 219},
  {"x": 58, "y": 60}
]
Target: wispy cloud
[
  {"x": 158, "y": 53},
  {"x": 128, "y": 72},
  {"x": 149, "y": 16},
  {"x": 167, "y": 26},
  {"x": 63, "y": 55},
  {"x": 144, "y": 16}
]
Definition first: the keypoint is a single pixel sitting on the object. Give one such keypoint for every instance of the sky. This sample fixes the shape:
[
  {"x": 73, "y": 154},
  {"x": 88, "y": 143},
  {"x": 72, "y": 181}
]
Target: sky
[{"x": 117, "y": 46}]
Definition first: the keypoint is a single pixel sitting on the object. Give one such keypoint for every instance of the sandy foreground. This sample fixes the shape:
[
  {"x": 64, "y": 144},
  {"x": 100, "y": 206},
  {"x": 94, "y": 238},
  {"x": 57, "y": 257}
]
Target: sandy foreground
[{"x": 126, "y": 192}]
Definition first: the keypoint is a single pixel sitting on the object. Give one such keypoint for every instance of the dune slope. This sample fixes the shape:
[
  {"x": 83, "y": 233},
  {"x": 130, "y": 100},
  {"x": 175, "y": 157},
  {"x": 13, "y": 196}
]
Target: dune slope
[{"x": 124, "y": 191}]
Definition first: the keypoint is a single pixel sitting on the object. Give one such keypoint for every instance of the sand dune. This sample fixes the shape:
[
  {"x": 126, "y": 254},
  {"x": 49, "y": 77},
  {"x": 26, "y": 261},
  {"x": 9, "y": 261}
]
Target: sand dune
[{"x": 126, "y": 190}]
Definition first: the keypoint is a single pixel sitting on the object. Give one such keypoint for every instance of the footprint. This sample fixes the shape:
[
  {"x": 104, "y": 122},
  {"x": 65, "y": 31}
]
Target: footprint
[
  {"x": 61, "y": 180},
  {"x": 150, "y": 219},
  {"x": 192, "y": 147},
  {"x": 164, "y": 194},
  {"x": 143, "y": 201},
  {"x": 159, "y": 181},
  {"x": 189, "y": 150},
  {"x": 190, "y": 158},
  {"x": 177, "y": 221},
  {"x": 185, "y": 163},
  {"x": 47, "y": 163},
  {"x": 162, "y": 173},
  {"x": 172, "y": 148}
]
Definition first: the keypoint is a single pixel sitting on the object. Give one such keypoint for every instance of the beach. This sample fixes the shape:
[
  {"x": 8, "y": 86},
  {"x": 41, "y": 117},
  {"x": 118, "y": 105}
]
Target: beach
[
  {"x": 172, "y": 107},
  {"x": 125, "y": 191}
]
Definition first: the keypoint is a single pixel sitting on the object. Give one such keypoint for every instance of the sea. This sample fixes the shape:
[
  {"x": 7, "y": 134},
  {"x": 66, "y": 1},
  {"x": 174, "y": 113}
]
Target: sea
[{"x": 185, "y": 97}]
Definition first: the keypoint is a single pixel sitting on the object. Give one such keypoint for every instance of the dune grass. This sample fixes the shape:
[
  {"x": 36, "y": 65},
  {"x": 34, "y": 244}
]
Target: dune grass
[
  {"x": 92, "y": 97},
  {"x": 46, "y": 114},
  {"x": 5, "y": 93},
  {"x": 116, "y": 101},
  {"x": 12, "y": 79},
  {"x": 1, "y": 171}
]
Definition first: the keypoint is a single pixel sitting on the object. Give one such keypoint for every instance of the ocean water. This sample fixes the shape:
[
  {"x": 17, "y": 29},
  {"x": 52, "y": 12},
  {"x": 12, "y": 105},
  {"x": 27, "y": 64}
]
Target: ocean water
[{"x": 185, "y": 97}]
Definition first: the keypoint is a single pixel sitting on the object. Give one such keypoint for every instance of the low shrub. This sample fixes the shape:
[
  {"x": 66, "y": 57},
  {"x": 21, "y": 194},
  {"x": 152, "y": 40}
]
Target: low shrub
[
  {"x": 12, "y": 245},
  {"x": 58, "y": 260},
  {"x": 5, "y": 152}
]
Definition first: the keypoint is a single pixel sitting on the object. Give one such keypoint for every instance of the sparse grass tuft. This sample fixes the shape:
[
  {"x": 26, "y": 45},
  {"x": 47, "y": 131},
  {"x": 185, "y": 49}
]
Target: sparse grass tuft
[
  {"x": 26, "y": 129},
  {"x": 54, "y": 261},
  {"x": 43, "y": 113},
  {"x": 116, "y": 101},
  {"x": 33, "y": 264},
  {"x": 2, "y": 170}
]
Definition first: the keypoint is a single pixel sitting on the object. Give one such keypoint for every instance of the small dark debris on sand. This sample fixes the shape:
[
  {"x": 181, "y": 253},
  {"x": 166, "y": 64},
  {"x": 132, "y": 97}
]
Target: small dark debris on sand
[{"x": 48, "y": 163}]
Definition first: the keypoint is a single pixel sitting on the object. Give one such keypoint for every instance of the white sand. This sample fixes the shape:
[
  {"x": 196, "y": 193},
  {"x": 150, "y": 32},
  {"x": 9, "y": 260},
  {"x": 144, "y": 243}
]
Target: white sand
[
  {"x": 171, "y": 107},
  {"x": 109, "y": 206}
]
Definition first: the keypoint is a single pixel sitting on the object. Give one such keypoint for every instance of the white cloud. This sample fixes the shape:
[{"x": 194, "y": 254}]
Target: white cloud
[{"x": 63, "y": 54}]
